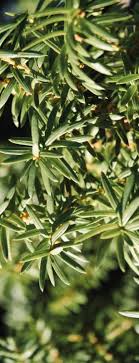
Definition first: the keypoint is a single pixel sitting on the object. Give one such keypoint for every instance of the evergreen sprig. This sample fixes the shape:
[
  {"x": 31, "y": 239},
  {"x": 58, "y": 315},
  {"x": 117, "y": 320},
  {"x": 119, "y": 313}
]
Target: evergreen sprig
[{"x": 71, "y": 72}]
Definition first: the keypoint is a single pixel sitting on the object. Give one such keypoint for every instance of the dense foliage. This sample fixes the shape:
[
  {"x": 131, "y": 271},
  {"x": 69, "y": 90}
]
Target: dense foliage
[{"x": 69, "y": 189}]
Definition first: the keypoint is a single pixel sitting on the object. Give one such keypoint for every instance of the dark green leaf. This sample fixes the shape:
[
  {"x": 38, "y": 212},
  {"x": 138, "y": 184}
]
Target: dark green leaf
[
  {"x": 119, "y": 243},
  {"x": 59, "y": 272},
  {"x": 130, "y": 210},
  {"x": 129, "y": 94},
  {"x": 6, "y": 93},
  {"x": 97, "y": 30},
  {"x": 70, "y": 262},
  {"x": 35, "y": 256},
  {"x": 64, "y": 169},
  {"x": 109, "y": 192},
  {"x": 30, "y": 234},
  {"x": 31, "y": 180},
  {"x": 22, "y": 82},
  {"x": 5, "y": 243},
  {"x": 95, "y": 231},
  {"x": 7, "y": 224},
  {"x": 35, "y": 136},
  {"x": 3, "y": 206},
  {"x": 17, "y": 159},
  {"x": 34, "y": 218},
  {"x": 59, "y": 232},
  {"x": 127, "y": 190},
  {"x": 50, "y": 271},
  {"x": 43, "y": 270}
]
